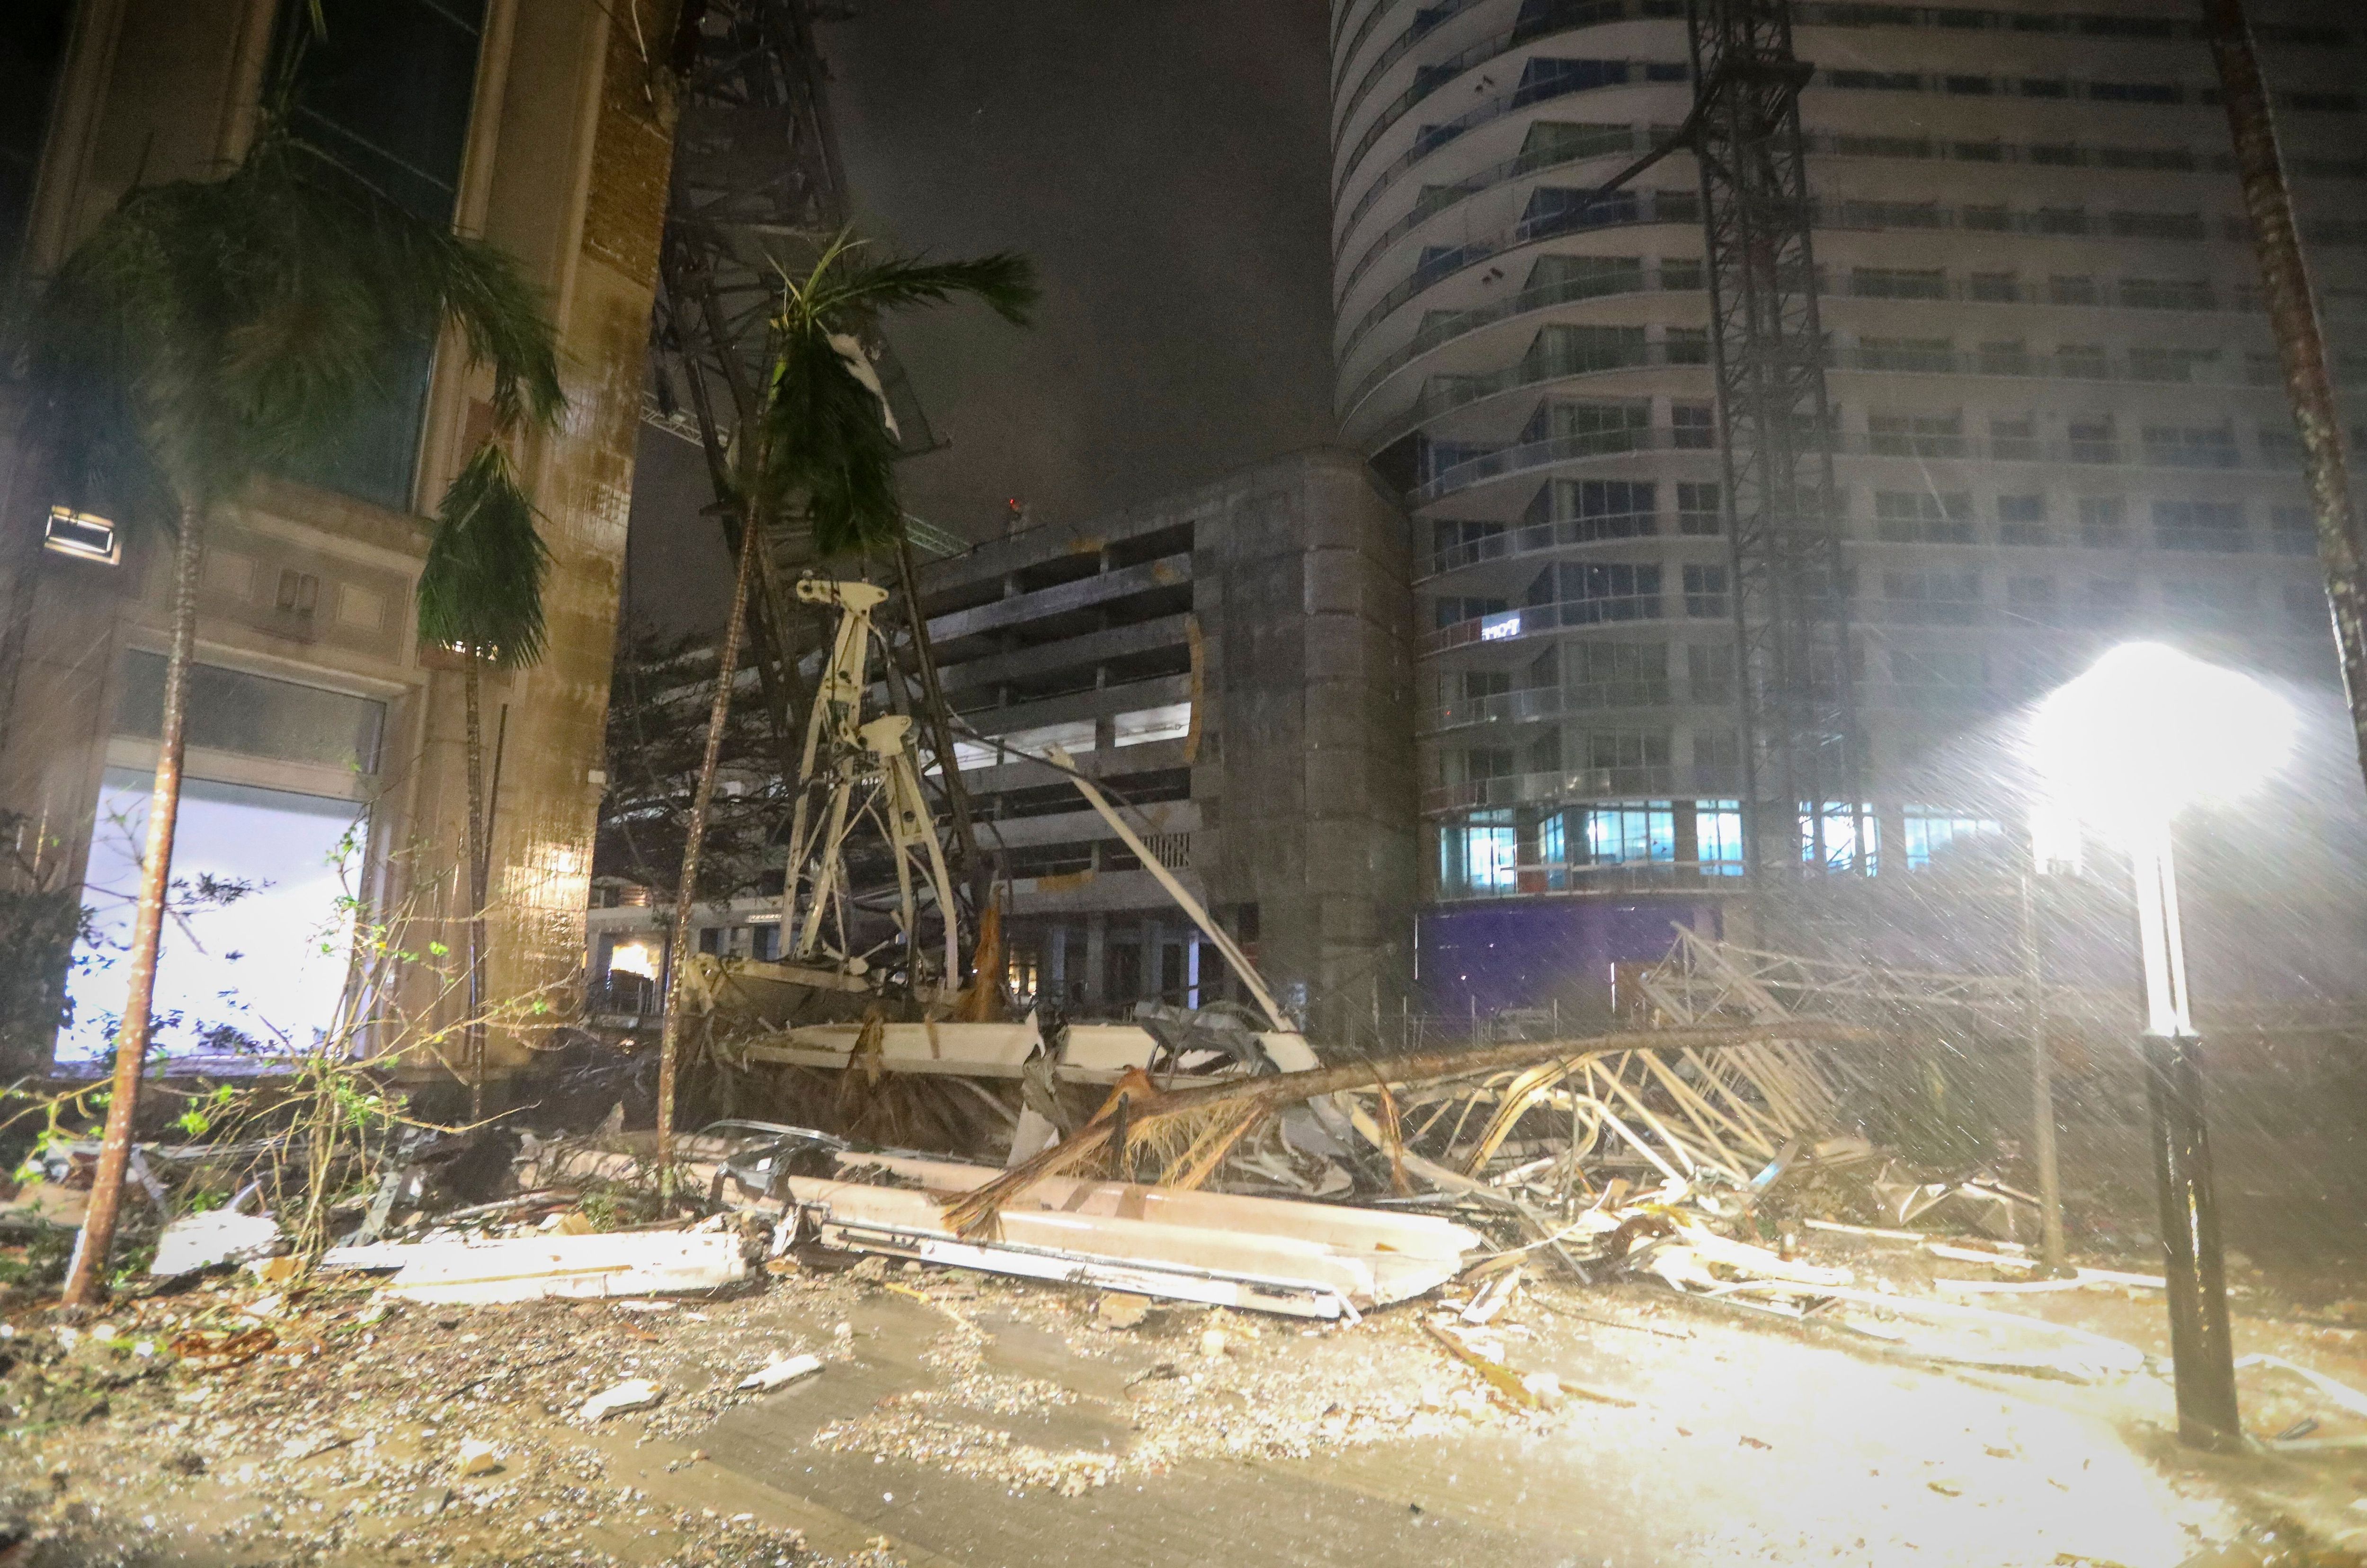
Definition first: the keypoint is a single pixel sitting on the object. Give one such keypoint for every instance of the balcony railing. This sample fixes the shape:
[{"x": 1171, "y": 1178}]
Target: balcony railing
[
  {"x": 1553, "y": 702},
  {"x": 1625, "y": 208},
  {"x": 1600, "y": 877},
  {"x": 1575, "y": 14},
  {"x": 1649, "y": 781},
  {"x": 1639, "y": 73},
  {"x": 1533, "y": 620},
  {"x": 1683, "y": 207},
  {"x": 1511, "y": 462}
]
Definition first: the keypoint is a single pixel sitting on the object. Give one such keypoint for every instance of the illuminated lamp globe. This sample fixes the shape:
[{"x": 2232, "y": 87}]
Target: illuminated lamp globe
[{"x": 2148, "y": 731}]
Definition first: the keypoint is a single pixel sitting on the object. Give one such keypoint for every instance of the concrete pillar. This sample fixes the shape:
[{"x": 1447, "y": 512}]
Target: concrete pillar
[
  {"x": 1055, "y": 982},
  {"x": 1096, "y": 976}
]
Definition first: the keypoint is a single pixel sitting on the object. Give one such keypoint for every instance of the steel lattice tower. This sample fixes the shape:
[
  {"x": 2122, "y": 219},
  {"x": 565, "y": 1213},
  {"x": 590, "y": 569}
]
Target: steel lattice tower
[
  {"x": 1800, "y": 747},
  {"x": 756, "y": 189}
]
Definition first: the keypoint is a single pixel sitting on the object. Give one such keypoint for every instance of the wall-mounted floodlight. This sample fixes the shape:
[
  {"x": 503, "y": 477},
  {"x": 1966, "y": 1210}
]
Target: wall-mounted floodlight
[{"x": 83, "y": 536}]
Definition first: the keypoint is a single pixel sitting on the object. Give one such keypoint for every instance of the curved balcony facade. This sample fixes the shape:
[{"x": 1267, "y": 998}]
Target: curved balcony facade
[{"x": 2057, "y": 412}]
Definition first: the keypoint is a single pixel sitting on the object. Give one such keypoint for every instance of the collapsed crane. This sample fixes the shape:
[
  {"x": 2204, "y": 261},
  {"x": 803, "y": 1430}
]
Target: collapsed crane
[{"x": 757, "y": 190}]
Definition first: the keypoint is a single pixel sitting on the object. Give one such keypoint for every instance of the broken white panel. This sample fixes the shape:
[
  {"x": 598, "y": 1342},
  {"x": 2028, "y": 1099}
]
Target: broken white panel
[
  {"x": 528, "y": 1268},
  {"x": 1292, "y": 1297},
  {"x": 217, "y": 1235},
  {"x": 1266, "y": 1254}
]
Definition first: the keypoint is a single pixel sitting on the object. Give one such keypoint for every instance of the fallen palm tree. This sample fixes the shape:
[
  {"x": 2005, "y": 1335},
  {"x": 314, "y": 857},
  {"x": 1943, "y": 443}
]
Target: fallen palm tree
[{"x": 1187, "y": 1131}]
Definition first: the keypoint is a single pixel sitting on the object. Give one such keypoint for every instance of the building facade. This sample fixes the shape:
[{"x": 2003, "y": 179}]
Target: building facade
[
  {"x": 1234, "y": 662},
  {"x": 326, "y": 746},
  {"x": 2059, "y": 417}
]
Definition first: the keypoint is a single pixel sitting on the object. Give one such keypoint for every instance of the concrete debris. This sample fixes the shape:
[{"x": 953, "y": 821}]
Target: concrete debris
[
  {"x": 1121, "y": 1309},
  {"x": 216, "y": 1236},
  {"x": 527, "y": 1268},
  {"x": 779, "y": 1372},
  {"x": 633, "y": 1393}
]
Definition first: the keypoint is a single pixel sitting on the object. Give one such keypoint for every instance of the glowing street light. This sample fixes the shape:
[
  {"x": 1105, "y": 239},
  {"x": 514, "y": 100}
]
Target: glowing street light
[{"x": 2125, "y": 747}]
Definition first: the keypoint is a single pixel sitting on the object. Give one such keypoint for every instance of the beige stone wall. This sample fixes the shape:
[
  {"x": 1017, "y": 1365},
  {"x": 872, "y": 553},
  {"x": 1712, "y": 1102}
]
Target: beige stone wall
[{"x": 567, "y": 168}]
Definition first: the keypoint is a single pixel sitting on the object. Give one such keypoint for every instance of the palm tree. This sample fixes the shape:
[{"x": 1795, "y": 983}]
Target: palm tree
[
  {"x": 204, "y": 333},
  {"x": 480, "y": 592},
  {"x": 822, "y": 448}
]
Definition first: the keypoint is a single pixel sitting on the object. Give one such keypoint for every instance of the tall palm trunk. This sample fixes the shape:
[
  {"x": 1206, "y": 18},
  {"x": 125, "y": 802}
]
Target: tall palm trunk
[
  {"x": 478, "y": 865},
  {"x": 727, "y": 666},
  {"x": 2301, "y": 345},
  {"x": 85, "y": 1277}
]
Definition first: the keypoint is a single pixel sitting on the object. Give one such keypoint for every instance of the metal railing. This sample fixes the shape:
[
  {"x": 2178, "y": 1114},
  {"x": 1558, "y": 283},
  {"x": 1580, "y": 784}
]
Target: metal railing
[
  {"x": 1649, "y": 781},
  {"x": 1511, "y": 461},
  {"x": 1576, "y": 16},
  {"x": 1533, "y": 703},
  {"x": 1676, "y": 206},
  {"x": 1631, "y": 141},
  {"x": 1625, "y": 208},
  {"x": 1639, "y": 74},
  {"x": 1603, "y": 876},
  {"x": 1534, "y": 620}
]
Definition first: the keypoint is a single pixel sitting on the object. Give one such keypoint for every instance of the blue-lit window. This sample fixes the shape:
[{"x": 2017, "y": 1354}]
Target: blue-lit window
[
  {"x": 1553, "y": 852},
  {"x": 1631, "y": 833},
  {"x": 1717, "y": 837},
  {"x": 1841, "y": 825},
  {"x": 1930, "y": 831},
  {"x": 1478, "y": 854}
]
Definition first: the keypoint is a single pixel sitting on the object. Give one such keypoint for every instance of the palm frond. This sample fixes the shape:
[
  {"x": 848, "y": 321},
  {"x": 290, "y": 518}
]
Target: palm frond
[
  {"x": 1004, "y": 282},
  {"x": 481, "y": 590},
  {"x": 826, "y": 444},
  {"x": 208, "y": 330}
]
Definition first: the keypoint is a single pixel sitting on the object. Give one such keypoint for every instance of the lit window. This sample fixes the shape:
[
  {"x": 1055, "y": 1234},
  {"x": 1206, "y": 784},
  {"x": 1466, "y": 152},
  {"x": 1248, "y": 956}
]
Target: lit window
[
  {"x": 1717, "y": 837},
  {"x": 1840, "y": 836},
  {"x": 1485, "y": 847},
  {"x": 1172, "y": 721},
  {"x": 83, "y": 536},
  {"x": 1631, "y": 832},
  {"x": 1930, "y": 831}
]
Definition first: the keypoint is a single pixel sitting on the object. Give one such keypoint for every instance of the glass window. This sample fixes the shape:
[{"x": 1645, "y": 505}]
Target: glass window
[
  {"x": 254, "y": 715},
  {"x": 1929, "y": 831},
  {"x": 1699, "y": 511},
  {"x": 1603, "y": 509},
  {"x": 32, "y": 42},
  {"x": 1631, "y": 833},
  {"x": 1705, "y": 592},
  {"x": 265, "y": 967},
  {"x": 2292, "y": 531},
  {"x": 1842, "y": 826},
  {"x": 2214, "y": 526},
  {"x": 2103, "y": 522},
  {"x": 1718, "y": 837},
  {"x": 1923, "y": 516},
  {"x": 1479, "y": 854},
  {"x": 388, "y": 89}
]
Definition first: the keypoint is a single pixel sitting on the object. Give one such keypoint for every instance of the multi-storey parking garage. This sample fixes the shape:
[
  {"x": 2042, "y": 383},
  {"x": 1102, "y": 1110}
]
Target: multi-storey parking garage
[{"x": 2058, "y": 414}]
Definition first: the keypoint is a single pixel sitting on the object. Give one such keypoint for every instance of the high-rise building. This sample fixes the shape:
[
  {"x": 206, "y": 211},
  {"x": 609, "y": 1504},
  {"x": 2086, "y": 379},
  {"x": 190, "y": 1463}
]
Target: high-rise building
[
  {"x": 325, "y": 743},
  {"x": 2058, "y": 415}
]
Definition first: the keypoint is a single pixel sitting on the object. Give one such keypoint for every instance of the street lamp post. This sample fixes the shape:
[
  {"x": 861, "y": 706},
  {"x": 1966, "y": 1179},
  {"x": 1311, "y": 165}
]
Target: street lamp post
[{"x": 2147, "y": 732}]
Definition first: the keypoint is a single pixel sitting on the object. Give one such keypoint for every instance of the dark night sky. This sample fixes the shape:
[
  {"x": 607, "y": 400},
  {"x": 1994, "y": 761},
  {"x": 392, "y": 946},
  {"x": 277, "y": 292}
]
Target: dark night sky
[{"x": 1164, "y": 164}]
